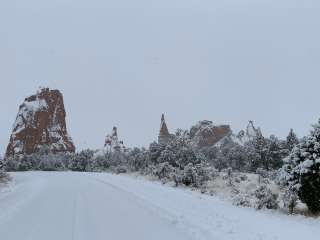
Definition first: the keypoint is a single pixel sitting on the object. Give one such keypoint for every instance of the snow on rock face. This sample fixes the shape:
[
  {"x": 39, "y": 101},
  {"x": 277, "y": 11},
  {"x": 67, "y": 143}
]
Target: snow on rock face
[
  {"x": 40, "y": 122},
  {"x": 244, "y": 136},
  {"x": 206, "y": 134}
]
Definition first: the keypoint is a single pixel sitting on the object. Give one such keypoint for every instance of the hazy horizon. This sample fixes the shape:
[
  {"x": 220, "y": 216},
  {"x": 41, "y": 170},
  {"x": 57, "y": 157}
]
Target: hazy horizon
[{"x": 123, "y": 63}]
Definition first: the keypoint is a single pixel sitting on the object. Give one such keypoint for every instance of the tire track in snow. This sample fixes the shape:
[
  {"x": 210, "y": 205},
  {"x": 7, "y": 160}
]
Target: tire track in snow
[
  {"x": 74, "y": 217},
  {"x": 179, "y": 222}
]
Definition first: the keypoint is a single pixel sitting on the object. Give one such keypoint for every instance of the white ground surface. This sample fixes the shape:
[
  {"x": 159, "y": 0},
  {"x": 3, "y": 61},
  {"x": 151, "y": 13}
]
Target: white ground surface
[{"x": 86, "y": 206}]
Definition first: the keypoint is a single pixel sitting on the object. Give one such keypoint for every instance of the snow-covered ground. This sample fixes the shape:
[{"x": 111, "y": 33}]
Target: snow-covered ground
[{"x": 66, "y": 205}]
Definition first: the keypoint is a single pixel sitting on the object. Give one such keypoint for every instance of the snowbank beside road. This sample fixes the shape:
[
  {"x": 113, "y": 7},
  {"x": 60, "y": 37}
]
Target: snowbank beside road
[{"x": 206, "y": 217}]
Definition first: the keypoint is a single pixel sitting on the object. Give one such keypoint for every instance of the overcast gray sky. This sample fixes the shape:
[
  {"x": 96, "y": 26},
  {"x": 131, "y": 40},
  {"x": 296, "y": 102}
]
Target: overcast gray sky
[{"x": 124, "y": 62}]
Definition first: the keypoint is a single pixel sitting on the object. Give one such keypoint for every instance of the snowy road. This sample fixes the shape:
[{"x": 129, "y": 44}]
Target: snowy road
[{"x": 75, "y": 206}]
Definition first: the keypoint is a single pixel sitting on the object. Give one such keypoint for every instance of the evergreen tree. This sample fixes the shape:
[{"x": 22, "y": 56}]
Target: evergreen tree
[
  {"x": 302, "y": 170},
  {"x": 257, "y": 151},
  {"x": 292, "y": 140},
  {"x": 275, "y": 153},
  {"x": 179, "y": 152},
  {"x": 237, "y": 157},
  {"x": 155, "y": 150}
]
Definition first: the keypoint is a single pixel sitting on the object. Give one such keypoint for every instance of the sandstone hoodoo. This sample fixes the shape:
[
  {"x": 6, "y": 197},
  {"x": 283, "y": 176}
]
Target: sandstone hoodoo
[
  {"x": 41, "y": 121},
  {"x": 164, "y": 136},
  {"x": 249, "y": 134},
  {"x": 112, "y": 142}
]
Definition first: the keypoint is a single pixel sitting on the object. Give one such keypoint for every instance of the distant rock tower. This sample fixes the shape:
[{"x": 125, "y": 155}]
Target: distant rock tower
[
  {"x": 112, "y": 142},
  {"x": 164, "y": 135}
]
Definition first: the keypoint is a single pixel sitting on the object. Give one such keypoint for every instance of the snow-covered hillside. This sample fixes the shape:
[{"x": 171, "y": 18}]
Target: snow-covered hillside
[{"x": 66, "y": 205}]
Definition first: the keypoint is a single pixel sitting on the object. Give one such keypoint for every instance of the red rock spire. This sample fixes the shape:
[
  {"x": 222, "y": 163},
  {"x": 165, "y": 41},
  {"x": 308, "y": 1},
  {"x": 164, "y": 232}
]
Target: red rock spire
[
  {"x": 40, "y": 122},
  {"x": 163, "y": 127}
]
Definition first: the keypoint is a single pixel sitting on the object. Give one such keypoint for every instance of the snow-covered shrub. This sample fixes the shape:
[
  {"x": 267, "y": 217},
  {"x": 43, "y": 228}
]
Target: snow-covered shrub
[
  {"x": 52, "y": 162},
  {"x": 100, "y": 163},
  {"x": 164, "y": 171},
  {"x": 81, "y": 161},
  {"x": 262, "y": 172},
  {"x": 189, "y": 175},
  {"x": 244, "y": 200},
  {"x": 273, "y": 175},
  {"x": 243, "y": 177},
  {"x": 107, "y": 161},
  {"x": 168, "y": 156},
  {"x": 210, "y": 153},
  {"x": 121, "y": 169},
  {"x": 4, "y": 177},
  {"x": 220, "y": 162},
  {"x": 64, "y": 159},
  {"x": 180, "y": 152},
  {"x": 138, "y": 159},
  {"x": 12, "y": 163},
  {"x": 41, "y": 160},
  {"x": 25, "y": 163},
  {"x": 204, "y": 173},
  {"x": 302, "y": 170},
  {"x": 290, "y": 200},
  {"x": 193, "y": 175},
  {"x": 155, "y": 151},
  {"x": 266, "y": 198},
  {"x": 237, "y": 180},
  {"x": 227, "y": 175},
  {"x": 177, "y": 177}
]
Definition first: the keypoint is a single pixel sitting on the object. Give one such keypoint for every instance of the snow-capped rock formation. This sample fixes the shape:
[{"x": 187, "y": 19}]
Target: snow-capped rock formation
[
  {"x": 112, "y": 144},
  {"x": 206, "y": 134},
  {"x": 246, "y": 135},
  {"x": 41, "y": 121}
]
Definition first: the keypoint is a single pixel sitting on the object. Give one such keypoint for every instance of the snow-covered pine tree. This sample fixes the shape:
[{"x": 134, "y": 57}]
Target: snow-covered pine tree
[
  {"x": 257, "y": 149},
  {"x": 275, "y": 152},
  {"x": 179, "y": 152},
  {"x": 231, "y": 155},
  {"x": 155, "y": 150},
  {"x": 292, "y": 140},
  {"x": 302, "y": 170}
]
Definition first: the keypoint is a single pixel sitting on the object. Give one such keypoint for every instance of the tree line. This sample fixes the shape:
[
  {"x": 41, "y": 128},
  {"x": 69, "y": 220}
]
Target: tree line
[{"x": 296, "y": 163}]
